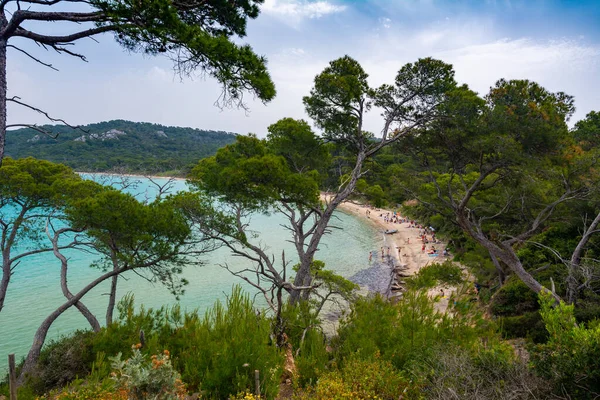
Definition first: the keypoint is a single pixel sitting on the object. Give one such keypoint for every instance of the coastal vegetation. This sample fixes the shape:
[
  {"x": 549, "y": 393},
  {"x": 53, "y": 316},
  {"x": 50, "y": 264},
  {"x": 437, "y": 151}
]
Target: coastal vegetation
[
  {"x": 119, "y": 147},
  {"x": 502, "y": 178}
]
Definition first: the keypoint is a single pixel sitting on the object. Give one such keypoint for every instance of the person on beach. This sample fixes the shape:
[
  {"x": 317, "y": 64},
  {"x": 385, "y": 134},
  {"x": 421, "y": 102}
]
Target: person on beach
[
  {"x": 423, "y": 248},
  {"x": 370, "y": 256},
  {"x": 382, "y": 253}
]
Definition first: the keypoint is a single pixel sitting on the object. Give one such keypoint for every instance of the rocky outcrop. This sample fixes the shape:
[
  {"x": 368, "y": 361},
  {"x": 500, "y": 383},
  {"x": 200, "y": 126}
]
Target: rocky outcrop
[
  {"x": 161, "y": 134},
  {"x": 112, "y": 134},
  {"x": 108, "y": 135},
  {"x": 397, "y": 284},
  {"x": 34, "y": 139}
]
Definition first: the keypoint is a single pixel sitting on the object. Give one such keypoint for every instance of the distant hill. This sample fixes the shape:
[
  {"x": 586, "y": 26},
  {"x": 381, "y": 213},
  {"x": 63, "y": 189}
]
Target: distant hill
[{"x": 119, "y": 145}]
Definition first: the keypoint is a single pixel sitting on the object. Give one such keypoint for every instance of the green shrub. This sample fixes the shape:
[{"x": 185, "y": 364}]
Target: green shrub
[
  {"x": 144, "y": 380},
  {"x": 409, "y": 330},
  {"x": 219, "y": 353},
  {"x": 80, "y": 389},
  {"x": 303, "y": 329},
  {"x": 514, "y": 298},
  {"x": 61, "y": 361},
  {"x": 435, "y": 274},
  {"x": 571, "y": 357},
  {"x": 375, "y": 195},
  {"x": 529, "y": 325},
  {"x": 313, "y": 358},
  {"x": 362, "y": 379},
  {"x": 216, "y": 354}
]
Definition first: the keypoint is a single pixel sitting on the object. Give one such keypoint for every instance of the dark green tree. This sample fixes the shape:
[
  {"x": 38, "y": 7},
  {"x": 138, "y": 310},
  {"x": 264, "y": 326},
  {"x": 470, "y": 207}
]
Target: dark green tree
[
  {"x": 284, "y": 172},
  {"x": 197, "y": 35},
  {"x": 30, "y": 190},
  {"x": 501, "y": 167},
  {"x": 155, "y": 240},
  {"x": 338, "y": 103}
]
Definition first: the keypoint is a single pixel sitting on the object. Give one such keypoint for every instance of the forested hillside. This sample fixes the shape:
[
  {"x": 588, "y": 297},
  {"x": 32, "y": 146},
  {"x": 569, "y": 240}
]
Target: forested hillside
[{"x": 124, "y": 145}]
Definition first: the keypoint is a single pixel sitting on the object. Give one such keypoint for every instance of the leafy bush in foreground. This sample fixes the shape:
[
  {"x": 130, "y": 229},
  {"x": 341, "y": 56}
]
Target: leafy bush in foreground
[
  {"x": 361, "y": 379},
  {"x": 571, "y": 357},
  {"x": 216, "y": 354}
]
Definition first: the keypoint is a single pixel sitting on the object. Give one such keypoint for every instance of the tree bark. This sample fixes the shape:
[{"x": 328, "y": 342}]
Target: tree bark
[
  {"x": 5, "y": 277},
  {"x": 112, "y": 295},
  {"x": 93, "y": 321},
  {"x": 304, "y": 276},
  {"x": 499, "y": 269},
  {"x": 504, "y": 253},
  {"x": 3, "y": 90},
  {"x": 8, "y": 240},
  {"x": 572, "y": 283},
  {"x": 41, "y": 333}
]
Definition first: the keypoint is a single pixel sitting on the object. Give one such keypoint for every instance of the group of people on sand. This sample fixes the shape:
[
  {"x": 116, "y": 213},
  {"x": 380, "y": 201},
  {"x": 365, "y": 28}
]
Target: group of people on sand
[
  {"x": 393, "y": 218},
  {"x": 433, "y": 251},
  {"x": 426, "y": 234}
]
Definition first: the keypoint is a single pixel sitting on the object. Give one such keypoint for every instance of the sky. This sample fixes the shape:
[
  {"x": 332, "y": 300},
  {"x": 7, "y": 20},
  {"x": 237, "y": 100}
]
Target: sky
[{"x": 554, "y": 43}]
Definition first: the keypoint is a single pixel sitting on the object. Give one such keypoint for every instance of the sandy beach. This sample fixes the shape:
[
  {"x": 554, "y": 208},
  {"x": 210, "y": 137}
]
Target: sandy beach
[{"x": 406, "y": 256}]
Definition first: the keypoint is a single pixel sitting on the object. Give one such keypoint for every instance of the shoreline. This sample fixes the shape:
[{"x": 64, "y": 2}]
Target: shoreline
[
  {"x": 404, "y": 247},
  {"x": 177, "y": 178}
]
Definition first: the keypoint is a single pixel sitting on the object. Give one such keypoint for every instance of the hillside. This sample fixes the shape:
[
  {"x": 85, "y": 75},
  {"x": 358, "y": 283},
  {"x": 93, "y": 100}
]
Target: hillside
[{"x": 119, "y": 145}]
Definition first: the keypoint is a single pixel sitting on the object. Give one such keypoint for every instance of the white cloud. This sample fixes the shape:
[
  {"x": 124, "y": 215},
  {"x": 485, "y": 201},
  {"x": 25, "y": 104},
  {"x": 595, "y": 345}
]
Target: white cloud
[
  {"x": 116, "y": 85},
  {"x": 298, "y": 9},
  {"x": 385, "y": 22}
]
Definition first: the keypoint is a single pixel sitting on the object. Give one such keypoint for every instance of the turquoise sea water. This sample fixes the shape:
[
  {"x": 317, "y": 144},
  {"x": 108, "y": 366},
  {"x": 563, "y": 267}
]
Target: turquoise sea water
[{"x": 34, "y": 291}]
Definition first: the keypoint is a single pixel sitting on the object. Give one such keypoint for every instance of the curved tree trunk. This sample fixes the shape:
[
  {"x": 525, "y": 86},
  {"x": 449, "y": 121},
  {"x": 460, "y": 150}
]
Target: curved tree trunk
[
  {"x": 504, "y": 253},
  {"x": 304, "y": 275},
  {"x": 572, "y": 282},
  {"x": 8, "y": 239},
  {"x": 93, "y": 321},
  {"x": 41, "y": 333}
]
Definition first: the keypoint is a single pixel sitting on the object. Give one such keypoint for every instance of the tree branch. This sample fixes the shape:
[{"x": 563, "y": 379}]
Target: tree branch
[
  {"x": 32, "y": 57},
  {"x": 16, "y": 100},
  {"x": 20, "y": 16},
  {"x": 35, "y": 128},
  {"x": 62, "y": 40}
]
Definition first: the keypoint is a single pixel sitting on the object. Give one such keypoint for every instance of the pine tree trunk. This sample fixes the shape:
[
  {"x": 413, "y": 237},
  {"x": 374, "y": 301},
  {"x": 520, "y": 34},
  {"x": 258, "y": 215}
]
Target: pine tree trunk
[
  {"x": 112, "y": 295},
  {"x": 3, "y": 89},
  {"x": 304, "y": 275},
  {"x": 93, "y": 321},
  {"x": 5, "y": 277},
  {"x": 41, "y": 333}
]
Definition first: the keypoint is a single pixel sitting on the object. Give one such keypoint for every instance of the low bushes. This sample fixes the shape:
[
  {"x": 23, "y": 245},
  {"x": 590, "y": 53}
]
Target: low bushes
[
  {"x": 216, "y": 354},
  {"x": 435, "y": 274},
  {"x": 485, "y": 374},
  {"x": 362, "y": 379},
  {"x": 407, "y": 331},
  {"x": 571, "y": 357}
]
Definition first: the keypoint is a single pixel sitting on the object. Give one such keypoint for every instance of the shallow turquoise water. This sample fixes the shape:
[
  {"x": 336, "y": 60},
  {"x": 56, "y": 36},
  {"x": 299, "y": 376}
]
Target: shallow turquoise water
[{"x": 34, "y": 291}]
